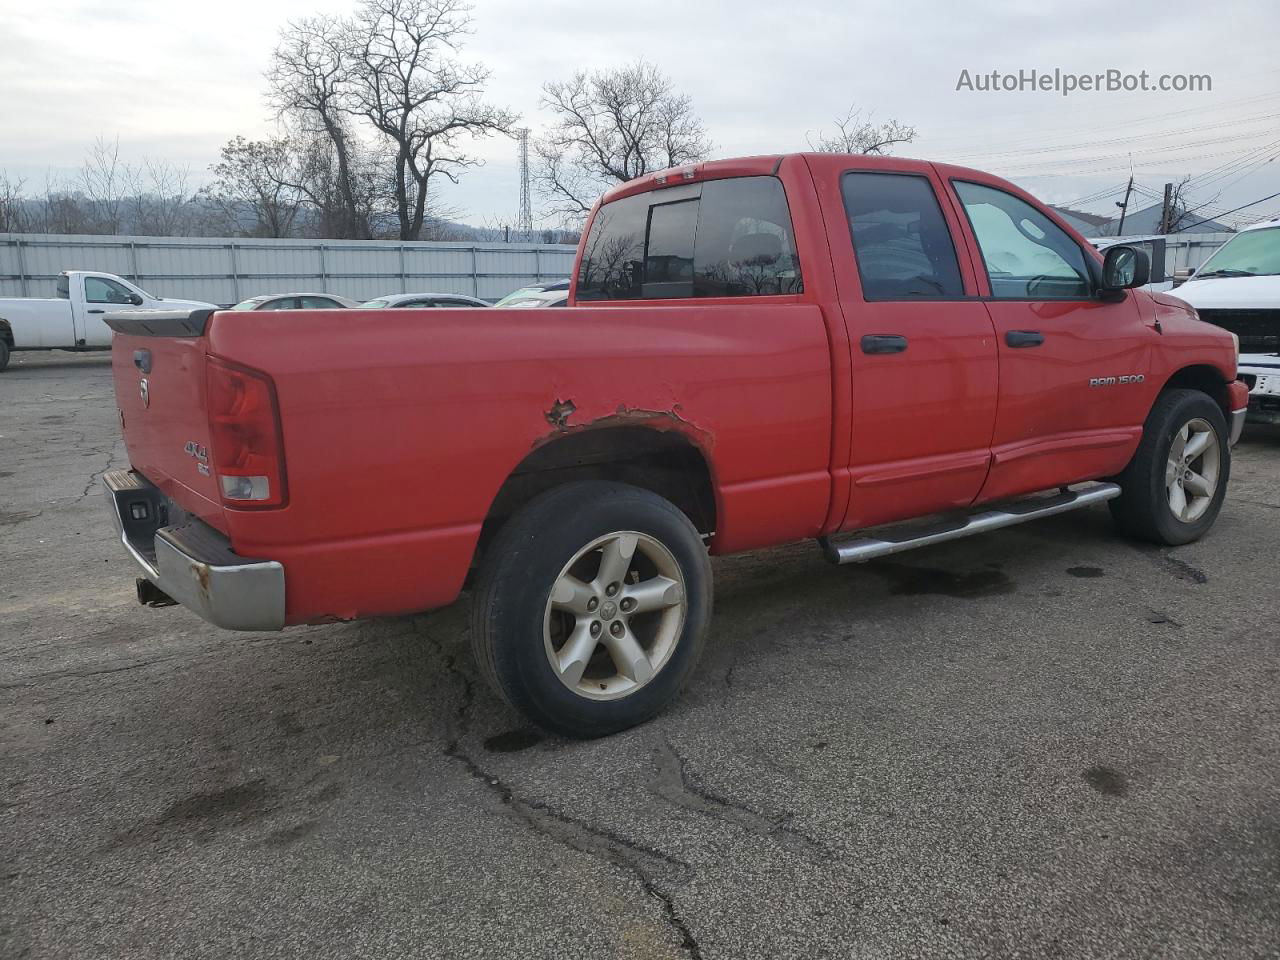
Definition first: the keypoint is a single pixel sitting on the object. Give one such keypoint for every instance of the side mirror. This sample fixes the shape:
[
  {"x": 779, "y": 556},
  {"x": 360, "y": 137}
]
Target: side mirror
[
  {"x": 135, "y": 299},
  {"x": 1124, "y": 268}
]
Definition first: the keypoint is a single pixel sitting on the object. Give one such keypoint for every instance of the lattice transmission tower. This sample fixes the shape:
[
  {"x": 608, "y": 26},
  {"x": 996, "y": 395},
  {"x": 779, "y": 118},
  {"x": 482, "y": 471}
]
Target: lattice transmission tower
[{"x": 525, "y": 225}]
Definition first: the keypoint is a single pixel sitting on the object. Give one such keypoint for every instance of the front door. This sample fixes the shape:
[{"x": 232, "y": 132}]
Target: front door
[
  {"x": 1073, "y": 367},
  {"x": 922, "y": 348},
  {"x": 102, "y": 295}
]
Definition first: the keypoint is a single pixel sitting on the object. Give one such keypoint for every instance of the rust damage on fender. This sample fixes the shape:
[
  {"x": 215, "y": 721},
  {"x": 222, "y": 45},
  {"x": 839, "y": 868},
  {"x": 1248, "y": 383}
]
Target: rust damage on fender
[{"x": 560, "y": 411}]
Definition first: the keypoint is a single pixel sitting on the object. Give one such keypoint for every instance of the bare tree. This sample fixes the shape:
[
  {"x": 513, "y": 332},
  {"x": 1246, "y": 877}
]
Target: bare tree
[
  {"x": 159, "y": 199},
  {"x": 256, "y": 177},
  {"x": 858, "y": 134},
  {"x": 103, "y": 180},
  {"x": 410, "y": 88},
  {"x": 1177, "y": 214},
  {"x": 612, "y": 126},
  {"x": 310, "y": 84},
  {"x": 14, "y": 214}
]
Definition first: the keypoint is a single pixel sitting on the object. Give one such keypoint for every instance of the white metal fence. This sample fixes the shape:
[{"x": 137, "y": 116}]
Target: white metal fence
[{"x": 227, "y": 271}]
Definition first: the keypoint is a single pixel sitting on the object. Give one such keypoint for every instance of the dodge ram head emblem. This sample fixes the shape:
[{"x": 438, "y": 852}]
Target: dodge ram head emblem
[{"x": 145, "y": 391}]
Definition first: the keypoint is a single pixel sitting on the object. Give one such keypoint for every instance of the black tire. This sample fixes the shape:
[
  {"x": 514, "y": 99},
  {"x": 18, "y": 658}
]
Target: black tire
[
  {"x": 4, "y": 354},
  {"x": 1142, "y": 510},
  {"x": 510, "y": 603}
]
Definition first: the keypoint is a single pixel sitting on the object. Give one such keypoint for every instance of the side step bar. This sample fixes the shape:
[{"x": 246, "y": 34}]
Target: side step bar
[{"x": 890, "y": 540}]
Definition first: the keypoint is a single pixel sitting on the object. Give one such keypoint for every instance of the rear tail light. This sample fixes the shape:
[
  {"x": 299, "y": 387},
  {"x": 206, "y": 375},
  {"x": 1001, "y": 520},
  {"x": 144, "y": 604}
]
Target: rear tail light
[{"x": 245, "y": 446}]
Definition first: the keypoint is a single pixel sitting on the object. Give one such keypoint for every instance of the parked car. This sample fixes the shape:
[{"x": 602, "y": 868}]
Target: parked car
[
  {"x": 545, "y": 298},
  {"x": 532, "y": 294},
  {"x": 73, "y": 319},
  {"x": 296, "y": 301},
  {"x": 421, "y": 300},
  {"x": 1238, "y": 288},
  {"x": 845, "y": 342}
]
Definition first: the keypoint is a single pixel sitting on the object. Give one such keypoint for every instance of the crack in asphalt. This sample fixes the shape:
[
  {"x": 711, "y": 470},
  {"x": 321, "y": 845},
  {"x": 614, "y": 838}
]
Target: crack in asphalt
[
  {"x": 16, "y": 519},
  {"x": 674, "y": 784},
  {"x": 94, "y": 477},
  {"x": 647, "y": 865},
  {"x": 83, "y": 674}
]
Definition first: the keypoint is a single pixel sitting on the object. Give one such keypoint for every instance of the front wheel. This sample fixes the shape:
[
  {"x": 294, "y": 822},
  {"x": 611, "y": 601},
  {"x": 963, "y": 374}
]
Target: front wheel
[
  {"x": 1175, "y": 484},
  {"x": 591, "y": 607},
  {"x": 4, "y": 354}
]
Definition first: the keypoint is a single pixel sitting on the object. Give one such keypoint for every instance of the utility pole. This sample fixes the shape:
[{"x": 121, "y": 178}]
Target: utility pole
[
  {"x": 1124, "y": 207},
  {"x": 1166, "y": 211}
]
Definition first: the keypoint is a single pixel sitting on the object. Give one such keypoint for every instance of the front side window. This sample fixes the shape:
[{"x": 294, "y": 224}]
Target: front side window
[
  {"x": 1027, "y": 255},
  {"x": 102, "y": 290},
  {"x": 319, "y": 303},
  {"x": 900, "y": 238},
  {"x": 280, "y": 303},
  {"x": 730, "y": 238}
]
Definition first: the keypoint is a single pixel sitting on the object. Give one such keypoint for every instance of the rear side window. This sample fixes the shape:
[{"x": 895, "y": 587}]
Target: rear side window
[
  {"x": 1027, "y": 255},
  {"x": 900, "y": 239},
  {"x": 724, "y": 238}
]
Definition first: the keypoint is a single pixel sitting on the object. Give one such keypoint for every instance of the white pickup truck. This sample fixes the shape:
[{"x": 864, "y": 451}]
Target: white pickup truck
[
  {"x": 73, "y": 320},
  {"x": 1239, "y": 288}
]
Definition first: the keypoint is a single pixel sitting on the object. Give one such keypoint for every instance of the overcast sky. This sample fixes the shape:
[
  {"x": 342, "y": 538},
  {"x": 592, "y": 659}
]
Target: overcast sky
[{"x": 175, "y": 79}]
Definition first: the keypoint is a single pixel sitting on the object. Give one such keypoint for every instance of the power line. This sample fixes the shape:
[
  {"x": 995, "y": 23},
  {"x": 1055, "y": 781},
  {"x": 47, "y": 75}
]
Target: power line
[
  {"x": 1134, "y": 138},
  {"x": 1073, "y": 129},
  {"x": 1225, "y": 212}
]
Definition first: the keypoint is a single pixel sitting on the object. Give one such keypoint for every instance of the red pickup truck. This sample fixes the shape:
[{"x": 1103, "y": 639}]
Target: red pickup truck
[{"x": 756, "y": 351}]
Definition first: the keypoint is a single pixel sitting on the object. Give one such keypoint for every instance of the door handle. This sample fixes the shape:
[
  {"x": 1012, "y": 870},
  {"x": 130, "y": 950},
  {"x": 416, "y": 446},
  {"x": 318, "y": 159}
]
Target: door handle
[
  {"x": 883, "y": 343},
  {"x": 1024, "y": 338},
  {"x": 95, "y": 311}
]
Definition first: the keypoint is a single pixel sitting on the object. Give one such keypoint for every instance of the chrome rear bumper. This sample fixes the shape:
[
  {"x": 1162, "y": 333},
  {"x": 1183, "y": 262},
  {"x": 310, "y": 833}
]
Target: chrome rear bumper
[{"x": 192, "y": 562}]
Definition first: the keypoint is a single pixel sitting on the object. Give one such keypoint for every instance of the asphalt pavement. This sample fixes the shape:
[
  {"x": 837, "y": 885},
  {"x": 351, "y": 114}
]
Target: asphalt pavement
[{"x": 1043, "y": 742}]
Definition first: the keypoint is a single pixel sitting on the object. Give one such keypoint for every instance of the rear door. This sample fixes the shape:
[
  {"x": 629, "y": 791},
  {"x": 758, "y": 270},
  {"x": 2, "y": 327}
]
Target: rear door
[
  {"x": 922, "y": 347},
  {"x": 1073, "y": 390}
]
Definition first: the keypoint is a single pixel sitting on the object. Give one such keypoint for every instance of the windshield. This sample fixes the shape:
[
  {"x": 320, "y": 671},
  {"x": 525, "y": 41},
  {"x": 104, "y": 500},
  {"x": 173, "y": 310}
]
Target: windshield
[
  {"x": 514, "y": 295},
  {"x": 1254, "y": 253},
  {"x": 248, "y": 304},
  {"x": 375, "y": 304}
]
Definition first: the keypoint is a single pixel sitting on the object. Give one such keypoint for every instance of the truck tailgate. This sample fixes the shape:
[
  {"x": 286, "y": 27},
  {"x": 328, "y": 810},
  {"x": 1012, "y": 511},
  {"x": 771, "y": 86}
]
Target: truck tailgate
[{"x": 158, "y": 364}]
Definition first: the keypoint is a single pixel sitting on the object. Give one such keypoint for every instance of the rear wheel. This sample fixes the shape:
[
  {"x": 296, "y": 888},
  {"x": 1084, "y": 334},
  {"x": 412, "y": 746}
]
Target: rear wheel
[
  {"x": 4, "y": 354},
  {"x": 591, "y": 607},
  {"x": 1174, "y": 487}
]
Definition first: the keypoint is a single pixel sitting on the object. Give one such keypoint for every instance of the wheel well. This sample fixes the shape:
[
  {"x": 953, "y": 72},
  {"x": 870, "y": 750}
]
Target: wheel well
[
  {"x": 1206, "y": 379},
  {"x": 6, "y": 333},
  {"x": 665, "y": 462}
]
